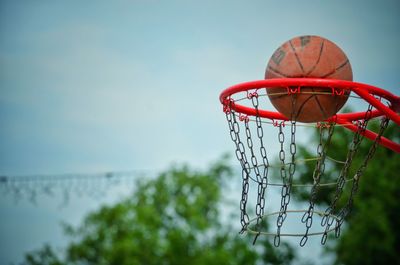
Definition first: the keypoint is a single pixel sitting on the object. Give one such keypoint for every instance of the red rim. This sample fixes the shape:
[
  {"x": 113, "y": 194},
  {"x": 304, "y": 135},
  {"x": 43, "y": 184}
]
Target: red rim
[{"x": 364, "y": 91}]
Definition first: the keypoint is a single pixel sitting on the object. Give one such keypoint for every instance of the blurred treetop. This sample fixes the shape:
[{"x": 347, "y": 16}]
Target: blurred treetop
[{"x": 172, "y": 219}]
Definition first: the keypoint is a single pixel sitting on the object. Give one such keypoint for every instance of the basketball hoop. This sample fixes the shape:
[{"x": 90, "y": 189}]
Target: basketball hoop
[{"x": 247, "y": 119}]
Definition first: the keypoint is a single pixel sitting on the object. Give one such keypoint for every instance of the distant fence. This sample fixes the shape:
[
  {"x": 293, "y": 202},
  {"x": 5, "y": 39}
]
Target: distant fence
[{"x": 64, "y": 186}]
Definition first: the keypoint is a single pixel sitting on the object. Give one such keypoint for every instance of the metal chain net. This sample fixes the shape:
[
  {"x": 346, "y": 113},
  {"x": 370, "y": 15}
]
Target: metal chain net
[{"x": 249, "y": 139}]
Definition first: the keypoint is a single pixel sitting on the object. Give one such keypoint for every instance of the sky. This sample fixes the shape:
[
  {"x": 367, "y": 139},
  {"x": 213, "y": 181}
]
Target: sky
[{"x": 90, "y": 86}]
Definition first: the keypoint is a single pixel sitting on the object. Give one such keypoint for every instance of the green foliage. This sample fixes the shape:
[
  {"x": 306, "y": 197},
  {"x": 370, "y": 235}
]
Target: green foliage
[
  {"x": 172, "y": 219},
  {"x": 371, "y": 234},
  {"x": 43, "y": 256}
]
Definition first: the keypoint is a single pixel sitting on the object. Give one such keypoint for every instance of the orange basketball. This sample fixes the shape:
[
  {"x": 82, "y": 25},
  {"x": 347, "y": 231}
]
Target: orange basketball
[{"x": 308, "y": 56}]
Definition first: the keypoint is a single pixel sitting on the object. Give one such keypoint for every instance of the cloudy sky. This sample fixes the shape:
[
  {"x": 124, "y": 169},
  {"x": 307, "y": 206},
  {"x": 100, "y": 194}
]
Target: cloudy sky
[{"x": 89, "y": 86}]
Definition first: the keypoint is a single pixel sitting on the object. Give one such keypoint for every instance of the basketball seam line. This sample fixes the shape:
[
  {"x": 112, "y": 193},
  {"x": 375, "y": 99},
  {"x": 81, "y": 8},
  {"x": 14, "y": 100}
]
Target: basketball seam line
[
  {"x": 302, "y": 106},
  {"x": 318, "y": 59},
  {"x": 336, "y": 69},
  {"x": 297, "y": 57},
  {"x": 275, "y": 71},
  {"x": 278, "y": 72},
  {"x": 320, "y": 106}
]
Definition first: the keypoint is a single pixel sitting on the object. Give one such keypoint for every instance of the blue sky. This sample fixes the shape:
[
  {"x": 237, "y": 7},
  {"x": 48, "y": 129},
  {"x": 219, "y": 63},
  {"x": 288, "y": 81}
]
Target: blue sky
[
  {"x": 89, "y": 86},
  {"x": 134, "y": 85}
]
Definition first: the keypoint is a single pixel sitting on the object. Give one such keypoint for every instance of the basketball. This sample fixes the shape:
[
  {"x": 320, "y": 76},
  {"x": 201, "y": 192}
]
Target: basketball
[{"x": 308, "y": 56}]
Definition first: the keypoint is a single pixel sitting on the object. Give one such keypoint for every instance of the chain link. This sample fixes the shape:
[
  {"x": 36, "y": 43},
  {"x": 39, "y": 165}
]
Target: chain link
[
  {"x": 250, "y": 165},
  {"x": 319, "y": 170},
  {"x": 241, "y": 156},
  {"x": 282, "y": 213},
  {"x": 327, "y": 219},
  {"x": 286, "y": 182},
  {"x": 262, "y": 180},
  {"x": 360, "y": 171}
]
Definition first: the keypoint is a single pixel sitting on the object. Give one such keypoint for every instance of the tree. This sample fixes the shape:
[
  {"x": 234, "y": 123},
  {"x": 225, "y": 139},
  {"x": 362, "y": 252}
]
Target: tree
[
  {"x": 372, "y": 231},
  {"x": 374, "y": 226},
  {"x": 172, "y": 219},
  {"x": 43, "y": 256}
]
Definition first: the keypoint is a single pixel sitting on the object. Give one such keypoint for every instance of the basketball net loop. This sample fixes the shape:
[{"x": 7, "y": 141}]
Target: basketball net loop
[
  {"x": 251, "y": 95},
  {"x": 293, "y": 90},
  {"x": 243, "y": 117},
  {"x": 323, "y": 125},
  {"x": 228, "y": 105},
  {"x": 337, "y": 92},
  {"x": 278, "y": 123}
]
